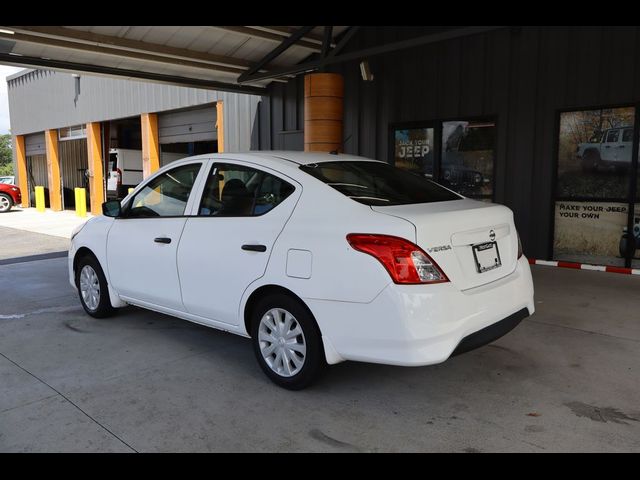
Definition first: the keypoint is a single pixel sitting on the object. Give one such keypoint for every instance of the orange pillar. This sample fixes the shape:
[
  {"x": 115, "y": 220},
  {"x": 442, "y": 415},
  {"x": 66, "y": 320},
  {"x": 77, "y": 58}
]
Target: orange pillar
[
  {"x": 53, "y": 169},
  {"x": 150, "y": 144},
  {"x": 96, "y": 177},
  {"x": 220, "y": 125},
  {"x": 323, "y": 107},
  {"x": 21, "y": 165}
]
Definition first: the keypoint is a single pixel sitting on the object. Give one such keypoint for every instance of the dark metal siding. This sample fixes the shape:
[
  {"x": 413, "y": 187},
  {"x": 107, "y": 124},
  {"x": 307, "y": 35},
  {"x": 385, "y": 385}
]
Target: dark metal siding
[{"x": 520, "y": 76}]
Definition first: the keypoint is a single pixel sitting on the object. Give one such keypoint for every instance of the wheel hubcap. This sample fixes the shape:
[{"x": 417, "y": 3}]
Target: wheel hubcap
[
  {"x": 282, "y": 342},
  {"x": 90, "y": 287},
  {"x": 4, "y": 204}
]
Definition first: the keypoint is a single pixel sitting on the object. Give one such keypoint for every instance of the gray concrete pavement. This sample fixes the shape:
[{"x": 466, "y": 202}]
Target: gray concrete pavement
[
  {"x": 564, "y": 380},
  {"x": 19, "y": 243}
]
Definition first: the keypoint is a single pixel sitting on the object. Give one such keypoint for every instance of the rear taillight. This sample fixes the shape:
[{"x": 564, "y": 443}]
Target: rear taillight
[
  {"x": 519, "y": 246},
  {"x": 406, "y": 262},
  {"x": 119, "y": 176}
]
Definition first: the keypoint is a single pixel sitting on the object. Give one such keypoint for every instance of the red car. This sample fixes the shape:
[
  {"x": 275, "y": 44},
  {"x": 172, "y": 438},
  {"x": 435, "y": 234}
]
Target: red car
[{"x": 9, "y": 196}]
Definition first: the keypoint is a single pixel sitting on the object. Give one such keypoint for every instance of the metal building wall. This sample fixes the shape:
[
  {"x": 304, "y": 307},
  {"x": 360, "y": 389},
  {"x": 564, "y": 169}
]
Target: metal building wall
[
  {"x": 53, "y": 96},
  {"x": 521, "y": 77}
]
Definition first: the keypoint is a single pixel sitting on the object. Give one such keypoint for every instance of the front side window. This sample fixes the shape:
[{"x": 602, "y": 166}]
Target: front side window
[
  {"x": 378, "y": 184},
  {"x": 239, "y": 191},
  {"x": 166, "y": 195}
]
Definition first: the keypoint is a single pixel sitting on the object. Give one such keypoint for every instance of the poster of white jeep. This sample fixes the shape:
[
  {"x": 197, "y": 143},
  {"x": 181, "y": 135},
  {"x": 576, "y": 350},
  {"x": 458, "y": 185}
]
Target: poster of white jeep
[{"x": 594, "y": 177}]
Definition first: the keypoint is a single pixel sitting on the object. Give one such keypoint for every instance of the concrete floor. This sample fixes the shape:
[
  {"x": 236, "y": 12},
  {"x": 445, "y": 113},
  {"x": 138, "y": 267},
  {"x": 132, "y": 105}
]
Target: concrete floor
[
  {"x": 57, "y": 224},
  {"x": 567, "y": 379},
  {"x": 15, "y": 244}
]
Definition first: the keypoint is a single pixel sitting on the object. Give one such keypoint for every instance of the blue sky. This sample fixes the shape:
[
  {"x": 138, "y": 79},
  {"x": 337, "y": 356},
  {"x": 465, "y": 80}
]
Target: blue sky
[{"x": 4, "y": 102}]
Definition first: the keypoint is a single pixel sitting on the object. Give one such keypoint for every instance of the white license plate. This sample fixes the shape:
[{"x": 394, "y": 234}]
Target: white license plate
[{"x": 486, "y": 256}]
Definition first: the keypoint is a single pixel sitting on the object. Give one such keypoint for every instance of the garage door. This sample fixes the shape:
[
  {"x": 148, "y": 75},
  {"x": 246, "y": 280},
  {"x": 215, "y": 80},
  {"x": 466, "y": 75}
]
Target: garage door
[
  {"x": 194, "y": 125},
  {"x": 34, "y": 144}
]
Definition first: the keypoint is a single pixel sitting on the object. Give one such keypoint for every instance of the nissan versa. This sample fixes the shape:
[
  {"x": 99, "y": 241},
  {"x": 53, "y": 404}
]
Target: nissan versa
[{"x": 318, "y": 258}]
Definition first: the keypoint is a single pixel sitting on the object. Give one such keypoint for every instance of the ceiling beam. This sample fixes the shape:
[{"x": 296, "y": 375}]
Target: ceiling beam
[
  {"x": 102, "y": 50},
  {"x": 269, "y": 57},
  {"x": 289, "y": 30},
  {"x": 130, "y": 45},
  {"x": 274, "y": 37},
  {"x": 333, "y": 58},
  {"x": 326, "y": 43},
  {"x": 20, "y": 60}
]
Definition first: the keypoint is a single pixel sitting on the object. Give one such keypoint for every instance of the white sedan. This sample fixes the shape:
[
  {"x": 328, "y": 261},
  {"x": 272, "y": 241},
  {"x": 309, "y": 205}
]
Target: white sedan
[{"x": 318, "y": 258}]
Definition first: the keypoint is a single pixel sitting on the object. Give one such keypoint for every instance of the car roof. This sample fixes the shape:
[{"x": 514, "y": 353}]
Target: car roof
[
  {"x": 307, "y": 158},
  {"x": 299, "y": 158}
]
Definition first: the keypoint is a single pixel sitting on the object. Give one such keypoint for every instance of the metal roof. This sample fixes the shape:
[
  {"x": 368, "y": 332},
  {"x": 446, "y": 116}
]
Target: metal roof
[{"x": 199, "y": 56}]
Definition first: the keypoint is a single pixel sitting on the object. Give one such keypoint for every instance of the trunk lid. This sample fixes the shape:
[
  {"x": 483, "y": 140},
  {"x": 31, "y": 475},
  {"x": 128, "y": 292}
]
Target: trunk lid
[{"x": 449, "y": 231}]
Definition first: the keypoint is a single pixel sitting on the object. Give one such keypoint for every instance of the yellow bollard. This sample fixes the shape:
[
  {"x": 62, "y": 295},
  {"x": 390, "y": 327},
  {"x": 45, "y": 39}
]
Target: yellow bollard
[
  {"x": 81, "y": 201},
  {"x": 39, "y": 198}
]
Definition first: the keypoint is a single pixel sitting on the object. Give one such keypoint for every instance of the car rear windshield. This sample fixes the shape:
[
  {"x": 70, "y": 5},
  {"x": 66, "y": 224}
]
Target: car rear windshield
[{"x": 378, "y": 183}]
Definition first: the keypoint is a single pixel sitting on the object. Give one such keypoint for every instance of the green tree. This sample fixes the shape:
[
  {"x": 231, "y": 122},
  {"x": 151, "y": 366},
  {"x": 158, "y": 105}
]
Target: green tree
[{"x": 6, "y": 157}]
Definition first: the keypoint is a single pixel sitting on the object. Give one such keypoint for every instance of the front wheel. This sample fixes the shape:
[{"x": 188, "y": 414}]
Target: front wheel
[
  {"x": 92, "y": 288},
  {"x": 5, "y": 202},
  {"x": 287, "y": 342}
]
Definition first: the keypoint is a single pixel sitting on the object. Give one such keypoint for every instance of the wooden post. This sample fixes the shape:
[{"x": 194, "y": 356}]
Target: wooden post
[
  {"x": 21, "y": 165},
  {"x": 53, "y": 169},
  {"x": 96, "y": 178},
  {"x": 150, "y": 144},
  {"x": 220, "y": 125},
  {"x": 323, "y": 108}
]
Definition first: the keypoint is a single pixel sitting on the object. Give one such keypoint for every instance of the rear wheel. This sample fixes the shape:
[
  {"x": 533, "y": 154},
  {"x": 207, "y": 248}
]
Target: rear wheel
[
  {"x": 287, "y": 342},
  {"x": 92, "y": 288},
  {"x": 5, "y": 202}
]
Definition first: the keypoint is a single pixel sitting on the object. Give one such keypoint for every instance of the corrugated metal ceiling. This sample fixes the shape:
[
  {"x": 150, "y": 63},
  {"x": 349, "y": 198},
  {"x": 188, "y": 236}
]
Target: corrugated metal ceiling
[{"x": 200, "y": 53}]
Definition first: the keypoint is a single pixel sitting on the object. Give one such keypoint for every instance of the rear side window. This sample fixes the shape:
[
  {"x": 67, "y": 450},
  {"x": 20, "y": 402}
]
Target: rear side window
[
  {"x": 378, "y": 184},
  {"x": 239, "y": 191}
]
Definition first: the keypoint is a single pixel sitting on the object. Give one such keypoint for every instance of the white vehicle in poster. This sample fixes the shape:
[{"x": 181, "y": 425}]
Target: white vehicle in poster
[
  {"x": 612, "y": 152},
  {"x": 318, "y": 258}
]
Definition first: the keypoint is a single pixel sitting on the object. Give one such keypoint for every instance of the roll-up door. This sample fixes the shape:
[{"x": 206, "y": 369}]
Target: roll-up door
[
  {"x": 194, "y": 125},
  {"x": 34, "y": 144}
]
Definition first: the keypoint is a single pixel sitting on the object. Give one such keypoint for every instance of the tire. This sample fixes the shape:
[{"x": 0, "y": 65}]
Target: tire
[
  {"x": 590, "y": 161},
  {"x": 89, "y": 272},
  {"x": 5, "y": 202},
  {"x": 307, "y": 357}
]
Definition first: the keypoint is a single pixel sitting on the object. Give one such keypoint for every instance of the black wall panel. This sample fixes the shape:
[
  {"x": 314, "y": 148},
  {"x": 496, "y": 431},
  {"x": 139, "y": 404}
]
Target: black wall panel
[{"x": 520, "y": 76}]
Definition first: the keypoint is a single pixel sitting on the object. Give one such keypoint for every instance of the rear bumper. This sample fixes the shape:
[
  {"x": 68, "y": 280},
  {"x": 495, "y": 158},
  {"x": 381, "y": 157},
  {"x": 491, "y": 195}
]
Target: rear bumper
[
  {"x": 413, "y": 325},
  {"x": 490, "y": 333}
]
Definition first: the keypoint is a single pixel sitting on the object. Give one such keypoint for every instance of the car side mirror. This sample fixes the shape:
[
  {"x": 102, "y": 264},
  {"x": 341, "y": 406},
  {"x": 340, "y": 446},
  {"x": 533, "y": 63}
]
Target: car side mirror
[{"x": 112, "y": 208}]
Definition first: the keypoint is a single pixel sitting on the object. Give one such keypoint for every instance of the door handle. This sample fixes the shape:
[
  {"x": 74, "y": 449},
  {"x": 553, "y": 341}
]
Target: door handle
[
  {"x": 254, "y": 248},
  {"x": 162, "y": 240}
]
